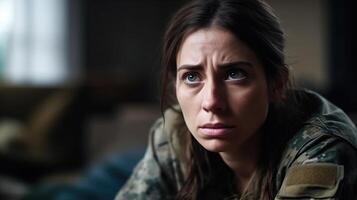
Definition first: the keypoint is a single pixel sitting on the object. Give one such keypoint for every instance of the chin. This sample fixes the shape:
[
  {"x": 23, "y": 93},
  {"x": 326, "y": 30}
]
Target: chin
[{"x": 215, "y": 145}]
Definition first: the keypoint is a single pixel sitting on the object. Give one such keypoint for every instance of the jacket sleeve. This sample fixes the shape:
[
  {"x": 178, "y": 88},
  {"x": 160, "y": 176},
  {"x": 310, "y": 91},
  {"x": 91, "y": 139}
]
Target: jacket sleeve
[
  {"x": 325, "y": 168},
  {"x": 150, "y": 179}
]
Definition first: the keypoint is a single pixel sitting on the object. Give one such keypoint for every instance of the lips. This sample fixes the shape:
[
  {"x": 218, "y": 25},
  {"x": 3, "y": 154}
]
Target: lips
[
  {"x": 216, "y": 129},
  {"x": 216, "y": 125}
]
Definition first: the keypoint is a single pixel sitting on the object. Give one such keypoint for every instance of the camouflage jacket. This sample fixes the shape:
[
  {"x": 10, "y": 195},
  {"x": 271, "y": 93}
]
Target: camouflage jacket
[{"x": 319, "y": 161}]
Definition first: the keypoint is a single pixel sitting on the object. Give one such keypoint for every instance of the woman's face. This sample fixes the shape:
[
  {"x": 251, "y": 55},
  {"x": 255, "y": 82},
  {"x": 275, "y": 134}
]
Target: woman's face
[{"x": 222, "y": 90}]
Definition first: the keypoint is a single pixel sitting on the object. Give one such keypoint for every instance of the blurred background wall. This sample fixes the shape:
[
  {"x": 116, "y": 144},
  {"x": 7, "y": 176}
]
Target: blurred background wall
[
  {"x": 79, "y": 78},
  {"x": 321, "y": 46}
]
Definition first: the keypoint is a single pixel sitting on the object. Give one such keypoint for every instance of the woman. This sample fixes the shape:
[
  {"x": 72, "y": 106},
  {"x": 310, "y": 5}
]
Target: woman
[{"x": 233, "y": 127}]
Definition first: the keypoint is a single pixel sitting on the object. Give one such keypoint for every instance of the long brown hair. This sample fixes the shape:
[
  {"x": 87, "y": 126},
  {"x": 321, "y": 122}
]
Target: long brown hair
[{"x": 254, "y": 23}]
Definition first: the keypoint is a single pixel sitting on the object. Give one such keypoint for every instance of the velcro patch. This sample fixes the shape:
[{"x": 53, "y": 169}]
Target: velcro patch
[{"x": 314, "y": 180}]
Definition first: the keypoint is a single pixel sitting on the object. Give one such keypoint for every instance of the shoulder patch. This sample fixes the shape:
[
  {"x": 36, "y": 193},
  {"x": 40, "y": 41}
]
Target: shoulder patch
[{"x": 315, "y": 180}]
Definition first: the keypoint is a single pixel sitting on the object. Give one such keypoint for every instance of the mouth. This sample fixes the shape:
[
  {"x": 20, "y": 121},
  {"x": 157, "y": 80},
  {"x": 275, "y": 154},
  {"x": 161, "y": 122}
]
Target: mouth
[{"x": 216, "y": 129}]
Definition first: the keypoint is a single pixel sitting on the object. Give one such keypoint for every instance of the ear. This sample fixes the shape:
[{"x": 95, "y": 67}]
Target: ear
[{"x": 279, "y": 85}]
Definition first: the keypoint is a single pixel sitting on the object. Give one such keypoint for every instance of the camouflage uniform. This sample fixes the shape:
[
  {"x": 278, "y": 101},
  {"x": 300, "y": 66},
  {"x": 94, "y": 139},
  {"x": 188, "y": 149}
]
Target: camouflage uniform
[{"x": 319, "y": 162}]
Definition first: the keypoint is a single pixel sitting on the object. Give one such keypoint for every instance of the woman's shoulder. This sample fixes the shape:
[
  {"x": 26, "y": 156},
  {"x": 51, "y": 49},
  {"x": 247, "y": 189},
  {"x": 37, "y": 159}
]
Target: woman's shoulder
[
  {"x": 327, "y": 120},
  {"x": 316, "y": 136},
  {"x": 318, "y": 164},
  {"x": 158, "y": 174},
  {"x": 327, "y": 142},
  {"x": 164, "y": 131},
  {"x": 165, "y": 143}
]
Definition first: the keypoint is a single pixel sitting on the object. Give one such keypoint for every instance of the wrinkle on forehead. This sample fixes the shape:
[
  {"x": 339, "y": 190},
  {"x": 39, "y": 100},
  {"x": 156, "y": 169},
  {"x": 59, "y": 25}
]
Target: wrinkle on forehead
[{"x": 217, "y": 43}]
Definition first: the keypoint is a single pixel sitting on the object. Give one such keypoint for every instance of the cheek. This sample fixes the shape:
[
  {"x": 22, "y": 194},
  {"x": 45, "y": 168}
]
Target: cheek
[
  {"x": 188, "y": 104},
  {"x": 251, "y": 106},
  {"x": 183, "y": 98}
]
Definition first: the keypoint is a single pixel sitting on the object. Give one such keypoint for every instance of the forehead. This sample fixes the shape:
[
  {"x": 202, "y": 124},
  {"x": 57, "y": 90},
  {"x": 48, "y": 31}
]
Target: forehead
[
  {"x": 213, "y": 41},
  {"x": 211, "y": 35}
]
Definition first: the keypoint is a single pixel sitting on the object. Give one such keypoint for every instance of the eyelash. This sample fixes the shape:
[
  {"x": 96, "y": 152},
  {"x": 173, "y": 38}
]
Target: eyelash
[
  {"x": 240, "y": 72},
  {"x": 186, "y": 75},
  {"x": 237, "y": 71}
]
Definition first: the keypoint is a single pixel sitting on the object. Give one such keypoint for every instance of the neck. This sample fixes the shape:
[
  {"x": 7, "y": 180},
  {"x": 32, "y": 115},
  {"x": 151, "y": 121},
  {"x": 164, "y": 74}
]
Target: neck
[{"x": 243, "y": 162}]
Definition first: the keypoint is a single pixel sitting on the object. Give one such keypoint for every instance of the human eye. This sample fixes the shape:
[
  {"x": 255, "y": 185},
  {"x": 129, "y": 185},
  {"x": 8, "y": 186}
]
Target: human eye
[
  {"x": 235, "y": 74},
  {"x": 191, "y": 77}
]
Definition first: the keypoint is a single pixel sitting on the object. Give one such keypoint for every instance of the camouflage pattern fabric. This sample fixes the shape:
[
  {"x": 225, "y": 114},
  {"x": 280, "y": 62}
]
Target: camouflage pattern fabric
[{"x": 319, "y": 162}]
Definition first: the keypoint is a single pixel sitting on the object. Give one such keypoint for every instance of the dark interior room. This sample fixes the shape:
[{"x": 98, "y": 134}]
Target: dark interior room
[{"x": 80, "y": 80}]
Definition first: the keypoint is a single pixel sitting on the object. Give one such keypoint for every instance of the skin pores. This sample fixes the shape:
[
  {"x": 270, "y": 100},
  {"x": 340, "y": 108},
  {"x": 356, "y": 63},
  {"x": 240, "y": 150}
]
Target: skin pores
[{"x": 222, "y": 91}]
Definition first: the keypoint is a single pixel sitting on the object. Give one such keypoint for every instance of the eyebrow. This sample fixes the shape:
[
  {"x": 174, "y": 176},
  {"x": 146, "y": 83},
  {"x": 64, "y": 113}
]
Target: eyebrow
[
  {"x": 225, "y": 65},
  {"x": 189, "y": 67},
  {"x": 236, "y": 64}
]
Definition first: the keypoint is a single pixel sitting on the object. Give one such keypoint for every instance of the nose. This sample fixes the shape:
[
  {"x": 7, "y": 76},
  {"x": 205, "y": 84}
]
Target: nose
[{"x": 213, "y": 99}]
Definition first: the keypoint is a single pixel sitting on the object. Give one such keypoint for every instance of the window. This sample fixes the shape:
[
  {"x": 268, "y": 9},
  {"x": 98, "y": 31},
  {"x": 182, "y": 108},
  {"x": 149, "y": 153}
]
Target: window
[{"x": 34, "y": 42}]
